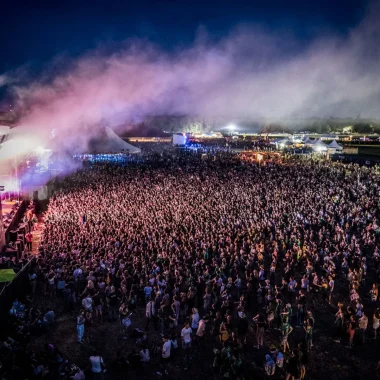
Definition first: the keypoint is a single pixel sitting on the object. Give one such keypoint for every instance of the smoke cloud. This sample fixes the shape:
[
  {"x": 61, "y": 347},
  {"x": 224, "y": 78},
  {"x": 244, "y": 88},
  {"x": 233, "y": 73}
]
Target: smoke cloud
[
  {"x": 249, "y": 74},
  {"x": 3, "y": 80}
]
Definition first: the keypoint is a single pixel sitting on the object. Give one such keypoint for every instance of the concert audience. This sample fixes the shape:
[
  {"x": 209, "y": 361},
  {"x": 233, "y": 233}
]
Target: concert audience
[{"x": 211, "y": 248}]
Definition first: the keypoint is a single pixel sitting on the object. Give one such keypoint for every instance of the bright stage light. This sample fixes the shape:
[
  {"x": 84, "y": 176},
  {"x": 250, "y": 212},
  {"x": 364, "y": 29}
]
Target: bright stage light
[
  {"x": 231, "y": 127},
  {"x": 40, "y": 150},
  {"x": 11, "y": 185}
]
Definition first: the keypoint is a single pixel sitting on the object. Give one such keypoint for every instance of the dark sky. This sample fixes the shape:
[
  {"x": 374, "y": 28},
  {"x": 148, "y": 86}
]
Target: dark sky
[{"x": 34, "y": 31}]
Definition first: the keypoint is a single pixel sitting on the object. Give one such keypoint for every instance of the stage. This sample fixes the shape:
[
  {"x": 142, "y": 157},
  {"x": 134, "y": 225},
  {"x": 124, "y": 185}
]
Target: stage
[
  {"x": 9, "y": 211},
  {"x": 12, "y": 212}
]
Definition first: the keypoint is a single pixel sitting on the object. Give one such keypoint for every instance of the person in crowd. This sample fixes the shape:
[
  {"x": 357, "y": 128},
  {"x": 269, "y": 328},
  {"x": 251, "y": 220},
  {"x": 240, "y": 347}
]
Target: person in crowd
[
  {"x": 351, "y": 330},
  {"x": 148, "y": 291},
  {"x": 176, "y": 235},
  {"x": 194, "y": 320},
  {"x": 97, "y": 300},
  {"x": 186, "y": 336},
  {"x": 279, "y": 360},
  {"x": 287, "y": 329},
  {"x": 260, "y": 329},
  {"x": 216, "y": 364},
  {"x": 376, "y": 322},
  {"x": 270, "y": 365},
  {"x": 150, "y": 313},
  {"x": 49, "y": 319},
  {"x": 29, "y": 241},
  {"x": 112, "y": 301},
  {"x": 363, "y": 323},
  {"x": 165, "y": 353},
  {"x": 97, "y": 366},
  {"x": 224, "y": 335},
  {"x": 242, "y": 328},
  {"x": 201, "y": 331},
  {"x": 292, "y": 366},
  {"x": 87, "y": 303},
  {"x": 78, "y": 374},
  {"x": 80, "y": 326},
  {"x": 145, "y": 355},
  {"x": 88, "y": 325},
  {"x": 339, "y": 323},
  {"x": 309, "y": 328}
]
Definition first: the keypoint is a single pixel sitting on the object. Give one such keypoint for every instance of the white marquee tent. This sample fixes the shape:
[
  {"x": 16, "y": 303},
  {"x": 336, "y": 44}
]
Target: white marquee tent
[
  {"x": 112, "y": 143},
  {"x": 308, "y": 141},
  {"x": 335, "y": 145},
  {"x": 319, "y": 146}
]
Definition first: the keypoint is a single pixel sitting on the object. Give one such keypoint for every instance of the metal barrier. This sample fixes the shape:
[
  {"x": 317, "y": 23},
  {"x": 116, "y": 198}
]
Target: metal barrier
[{"x": 19, "y": 287}]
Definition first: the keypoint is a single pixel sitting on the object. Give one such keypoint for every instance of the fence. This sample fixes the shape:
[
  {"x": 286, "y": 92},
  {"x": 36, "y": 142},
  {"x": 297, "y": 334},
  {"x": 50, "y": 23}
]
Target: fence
[{"x": 17, "y": 288}]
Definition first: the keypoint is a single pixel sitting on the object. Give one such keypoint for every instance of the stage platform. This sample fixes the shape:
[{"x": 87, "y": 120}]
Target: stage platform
[
  {"x": 12, "y": 214},
  {"x": 10, "y": 209}
]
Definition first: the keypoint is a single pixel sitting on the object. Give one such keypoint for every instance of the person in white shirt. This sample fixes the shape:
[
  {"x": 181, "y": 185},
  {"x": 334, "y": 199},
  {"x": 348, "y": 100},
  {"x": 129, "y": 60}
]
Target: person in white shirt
[
  {"x": 186, "y": 342},
  {"x": 79, "y": 375},
  {"x": 363, "y": 323},
  {"x": 97, "y": 365},
  {"x": 145, "y": 355},
  {"x": 165, "y": 354},
  {"x": 186, "y": 336},
  {"x": 87, "y": 303},
  {"x": 150, "y": 313}
]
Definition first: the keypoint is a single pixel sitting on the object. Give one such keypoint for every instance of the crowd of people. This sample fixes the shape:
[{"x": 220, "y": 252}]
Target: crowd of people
[{"x": 236, "y": 258}]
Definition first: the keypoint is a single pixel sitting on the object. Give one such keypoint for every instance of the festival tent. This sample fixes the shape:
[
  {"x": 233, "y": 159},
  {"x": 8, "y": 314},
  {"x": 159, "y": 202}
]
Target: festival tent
[
  {"x": 111, "y": 143},
  {"x": 319, "y": 146},
  {"x": 309, "y": 141},
  {"x": 335, "y": 145}
]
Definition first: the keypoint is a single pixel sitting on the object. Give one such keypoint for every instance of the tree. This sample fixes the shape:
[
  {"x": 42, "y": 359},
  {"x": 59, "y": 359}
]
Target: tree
[{"x": 362, "y": 128}]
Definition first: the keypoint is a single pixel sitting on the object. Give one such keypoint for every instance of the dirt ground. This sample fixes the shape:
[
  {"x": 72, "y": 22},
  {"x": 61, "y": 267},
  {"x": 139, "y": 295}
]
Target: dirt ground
[{"x": 328, "y": 359}]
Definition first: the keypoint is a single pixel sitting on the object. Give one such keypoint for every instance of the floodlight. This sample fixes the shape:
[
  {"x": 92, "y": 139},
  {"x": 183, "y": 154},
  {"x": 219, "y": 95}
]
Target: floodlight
[{"x": 40, "y": 150}]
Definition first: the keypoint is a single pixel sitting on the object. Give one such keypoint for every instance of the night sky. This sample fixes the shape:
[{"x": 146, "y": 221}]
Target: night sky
[
  {"x": 34, "y": 31},
  {"x": 78, "y": 65}
]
